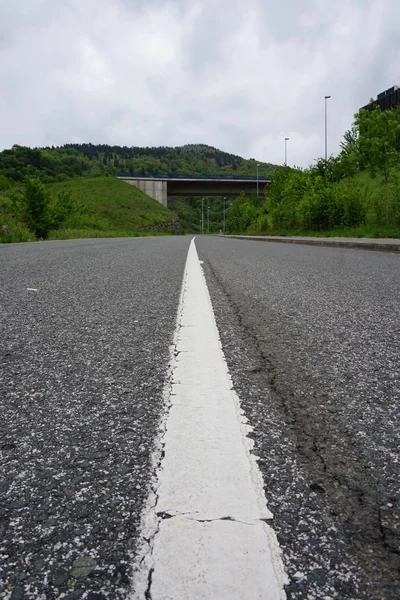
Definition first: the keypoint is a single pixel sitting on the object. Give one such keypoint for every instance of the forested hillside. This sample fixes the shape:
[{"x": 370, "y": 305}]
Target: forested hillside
[{"x": 53, "y": 164}]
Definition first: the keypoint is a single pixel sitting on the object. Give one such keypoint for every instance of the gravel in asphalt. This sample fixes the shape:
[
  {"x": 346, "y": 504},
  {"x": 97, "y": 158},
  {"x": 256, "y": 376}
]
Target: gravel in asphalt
[
  {"x": 312, "y": 339},
  {"x": 83, "y": 366},
  {"x": 311, "y": 336}
]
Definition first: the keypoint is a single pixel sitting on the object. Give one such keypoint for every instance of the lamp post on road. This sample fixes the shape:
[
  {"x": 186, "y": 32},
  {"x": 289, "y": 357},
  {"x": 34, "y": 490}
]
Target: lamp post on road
[
  {"x": 208, "y": 219},
  {"x": 257, "y": 178},
  {"x": 286, "y": 141},
  {"x": 326, "y": 127},
  {"x": 202, "y": 215}
]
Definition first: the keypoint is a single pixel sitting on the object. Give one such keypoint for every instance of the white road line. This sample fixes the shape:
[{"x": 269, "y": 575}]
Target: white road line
[{"x": 206, "y": 530}]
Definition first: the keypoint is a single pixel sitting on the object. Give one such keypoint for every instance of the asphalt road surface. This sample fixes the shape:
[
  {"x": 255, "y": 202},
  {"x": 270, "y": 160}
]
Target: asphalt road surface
[{"x": 311, "y": 337}]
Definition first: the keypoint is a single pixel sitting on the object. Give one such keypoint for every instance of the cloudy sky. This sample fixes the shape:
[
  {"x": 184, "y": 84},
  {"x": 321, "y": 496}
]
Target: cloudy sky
[{"x": 236, "y": 74}]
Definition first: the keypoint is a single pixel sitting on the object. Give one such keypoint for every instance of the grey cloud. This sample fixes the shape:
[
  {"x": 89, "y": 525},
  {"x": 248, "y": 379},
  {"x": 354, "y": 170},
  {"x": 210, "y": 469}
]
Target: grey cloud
[
  {"x": 238, "y": 75},
  {"x": 203, "y": 46}
]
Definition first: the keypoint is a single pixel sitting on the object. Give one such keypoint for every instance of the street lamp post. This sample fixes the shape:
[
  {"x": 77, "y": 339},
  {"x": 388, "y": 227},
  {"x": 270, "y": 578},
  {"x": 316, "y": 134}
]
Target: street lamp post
[
  {"x": 208, "y": 219},
  {"x": 286, "y": 141},
  {"x": 202, "y": 215},
  {"x": 257, "y": 178},
  {"x": 326, "y": 127}
]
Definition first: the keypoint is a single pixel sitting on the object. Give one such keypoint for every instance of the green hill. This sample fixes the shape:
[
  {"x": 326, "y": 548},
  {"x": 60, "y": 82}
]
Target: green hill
[
  {"x": 107, "y": 208},
  {"x": 87, "y": 172},
  {"x": 113, "y": 204},
  {"x": 90, "y": 160}
]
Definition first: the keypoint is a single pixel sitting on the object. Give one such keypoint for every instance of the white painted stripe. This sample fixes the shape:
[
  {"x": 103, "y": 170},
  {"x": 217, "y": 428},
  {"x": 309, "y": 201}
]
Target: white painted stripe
[{"x": 206, "y": 532}]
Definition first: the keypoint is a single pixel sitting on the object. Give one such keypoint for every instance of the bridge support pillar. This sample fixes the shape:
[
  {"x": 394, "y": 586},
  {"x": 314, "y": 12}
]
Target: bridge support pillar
[{"x": 156, "y": 189}]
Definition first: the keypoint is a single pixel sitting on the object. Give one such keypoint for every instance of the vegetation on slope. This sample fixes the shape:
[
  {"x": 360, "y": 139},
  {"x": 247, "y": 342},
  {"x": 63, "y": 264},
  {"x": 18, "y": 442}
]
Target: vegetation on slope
[
  {"x": 82, "y": 198},
  {"x": 356, "y": 193},
  {"x": 189, "y": 211},
  {"x": 98, "y": 207},
  {"x": 90, "y": 160}
]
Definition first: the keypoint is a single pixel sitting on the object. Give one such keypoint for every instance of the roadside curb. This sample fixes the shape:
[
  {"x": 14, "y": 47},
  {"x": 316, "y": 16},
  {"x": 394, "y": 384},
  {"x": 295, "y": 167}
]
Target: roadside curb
[{"x": 385, "y": 245}]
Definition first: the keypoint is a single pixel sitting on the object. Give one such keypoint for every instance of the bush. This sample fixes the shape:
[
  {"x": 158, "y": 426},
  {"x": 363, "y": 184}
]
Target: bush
[
  {"x": 33, "y": 208},
  {"x": 12, "y": 231},
  {"x": 39, "y": 212},
  {"x": 351, "y": 198},
  {"x": 63, "y": 207},
  {"x": 241, "y": 214},
  {"x": 5, "y": 183},
  {"x": 394, "y": 199}
]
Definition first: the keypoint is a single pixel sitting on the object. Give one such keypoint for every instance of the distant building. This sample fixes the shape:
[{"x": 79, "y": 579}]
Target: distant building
[{"x": 386, "y": 100}]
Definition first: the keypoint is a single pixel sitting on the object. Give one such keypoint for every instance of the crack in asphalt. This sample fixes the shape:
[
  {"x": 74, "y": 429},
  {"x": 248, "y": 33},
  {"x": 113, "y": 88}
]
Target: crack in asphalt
[
  {"x": 147, "y": 593},
  {"x": 166, "y": 515},
  {"x": 341, "y": 498},
  {"x": 142, "y": 559}
]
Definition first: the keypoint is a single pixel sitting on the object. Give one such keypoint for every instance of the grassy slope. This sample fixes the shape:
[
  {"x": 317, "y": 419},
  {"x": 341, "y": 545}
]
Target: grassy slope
[
  {"x": 113, "y": 208},
  {"x": 112, "y": 205},
  {"x": 188, "y": 215}
]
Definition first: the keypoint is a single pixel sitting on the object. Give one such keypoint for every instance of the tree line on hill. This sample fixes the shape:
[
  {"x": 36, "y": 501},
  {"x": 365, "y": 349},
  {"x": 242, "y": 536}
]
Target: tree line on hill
[
  {"x": 53, "y": 164},
  {"x": 357, "y": 190}
]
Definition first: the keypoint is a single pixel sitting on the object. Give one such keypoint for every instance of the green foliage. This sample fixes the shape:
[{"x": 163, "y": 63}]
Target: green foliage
[
  {"x": 379, "y": 135},
  {"x": 5, "y": 183},
  {"x": 188, "y": 212},
  {"x": 32, "y": 205},
  {"x": 378, "y": 139},
  {"x": 39, "y": 211},
  {"x": 10, "y": 229},
  {"x": 63, "y": 207},
  {"x": 101, "y": 207},
  {"x": 357, "y": 190},
  {"x": 89, "y": 160},
  {"x": 74, "y": 234},
  {"x": 241, "y": 214},
  {"x": 107, "y": 204},
  {"x": 394, "y": 198}
]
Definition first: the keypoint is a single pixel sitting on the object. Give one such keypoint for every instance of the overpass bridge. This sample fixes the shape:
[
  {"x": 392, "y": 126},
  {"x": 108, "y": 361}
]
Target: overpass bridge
[{"x": 160, "y": 188}]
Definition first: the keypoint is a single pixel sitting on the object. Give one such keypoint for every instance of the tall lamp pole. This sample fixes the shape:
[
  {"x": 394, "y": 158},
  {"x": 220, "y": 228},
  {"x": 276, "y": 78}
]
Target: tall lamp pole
[
  {"x": 286, "y": 141},
  {"x": 257, "y": 178},
  {"x": 208, "y": 220},
  {"x": 326, "y": 127},
  {"x": 202, "y": 215}
]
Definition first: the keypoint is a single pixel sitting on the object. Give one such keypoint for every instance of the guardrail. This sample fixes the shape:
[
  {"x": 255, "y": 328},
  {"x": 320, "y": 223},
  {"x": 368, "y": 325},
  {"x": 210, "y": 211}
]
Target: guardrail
[{"x": 194, "y": 177}]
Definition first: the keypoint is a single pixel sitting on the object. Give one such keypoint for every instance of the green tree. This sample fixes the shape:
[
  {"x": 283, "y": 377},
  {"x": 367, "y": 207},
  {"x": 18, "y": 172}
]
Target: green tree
[
  {"x": 378, "y": 143},
  {"x": 33, "y": 205},
  {"x": 62, "y": 207},
  {"x": 350, "y": 159},
  {"x": 4, "y": 183},
  {"x": 241, "y": 214}
]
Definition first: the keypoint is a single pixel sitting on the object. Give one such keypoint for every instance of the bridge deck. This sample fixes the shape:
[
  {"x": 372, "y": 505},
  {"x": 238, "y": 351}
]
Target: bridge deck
[{"x": 201, "y": 186}]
